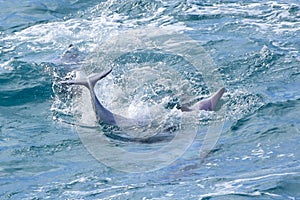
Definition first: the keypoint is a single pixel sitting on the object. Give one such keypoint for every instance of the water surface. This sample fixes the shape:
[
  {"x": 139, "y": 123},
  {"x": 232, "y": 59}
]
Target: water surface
[{"x": 255, "y": 48}]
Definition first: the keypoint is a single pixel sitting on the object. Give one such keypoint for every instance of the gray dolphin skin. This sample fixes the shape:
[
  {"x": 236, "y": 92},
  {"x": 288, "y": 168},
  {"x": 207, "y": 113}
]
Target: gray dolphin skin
[
  {"x": 102, "y": 113},
  {"x": 107, "y": 117},
  {"x": 208, "y": 104}
]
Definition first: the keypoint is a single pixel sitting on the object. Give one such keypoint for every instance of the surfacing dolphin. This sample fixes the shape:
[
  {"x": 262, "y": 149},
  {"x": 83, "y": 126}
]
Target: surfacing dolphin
[{"x": 106, "y": 116}]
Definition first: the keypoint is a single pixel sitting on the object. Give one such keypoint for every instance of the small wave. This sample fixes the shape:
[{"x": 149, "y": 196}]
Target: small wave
[
  {"x": 241, "y": 103},
  {"x": 270, "y": 110},
  {"x": 19, "y": 16},
  {"x": 272, "y": 16},
  {"x": 242, "y": 187},
  {"x": 46, "y": 149},
  {"x": 24, "y": 83},
  {"x": 251, "y": 67}
]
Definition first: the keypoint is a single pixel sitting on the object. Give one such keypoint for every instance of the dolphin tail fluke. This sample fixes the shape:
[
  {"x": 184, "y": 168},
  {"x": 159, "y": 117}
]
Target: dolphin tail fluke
[
  {"x": 90, "y": 82},
  {"x": 76, "y": 82},
  {"x": 214, "y": 99},
  {"x": 95, "y": 78}
]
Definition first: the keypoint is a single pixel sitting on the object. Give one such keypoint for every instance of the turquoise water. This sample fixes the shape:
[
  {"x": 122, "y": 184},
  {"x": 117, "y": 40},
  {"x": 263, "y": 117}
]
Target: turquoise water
[{"x": 255, "y": 47}]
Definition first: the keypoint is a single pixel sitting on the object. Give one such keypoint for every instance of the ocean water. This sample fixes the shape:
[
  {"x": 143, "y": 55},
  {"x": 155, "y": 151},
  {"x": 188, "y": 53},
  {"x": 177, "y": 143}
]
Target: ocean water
[{"x": 252, "y": 48}]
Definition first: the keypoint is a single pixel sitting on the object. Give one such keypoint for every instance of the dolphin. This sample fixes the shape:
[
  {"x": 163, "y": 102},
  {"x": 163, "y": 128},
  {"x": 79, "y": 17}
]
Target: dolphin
[
  {"x": 106, "y": 116},
  {"x": 71, "y": 55}
]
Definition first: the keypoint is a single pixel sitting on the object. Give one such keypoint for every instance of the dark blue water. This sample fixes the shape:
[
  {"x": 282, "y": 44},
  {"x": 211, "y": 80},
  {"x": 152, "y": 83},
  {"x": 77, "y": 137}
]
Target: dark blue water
[{"x": 254, "y": 45}]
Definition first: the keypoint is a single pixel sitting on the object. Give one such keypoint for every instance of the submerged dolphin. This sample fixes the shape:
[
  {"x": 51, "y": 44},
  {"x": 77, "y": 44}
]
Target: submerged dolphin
[
  {"x": 71, "y": 55},
  {"x": 71, "y": 59},
  {"x": 107, "y": 117}
]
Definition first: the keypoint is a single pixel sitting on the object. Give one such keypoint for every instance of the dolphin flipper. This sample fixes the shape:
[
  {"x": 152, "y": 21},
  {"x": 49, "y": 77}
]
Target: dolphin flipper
[
  {"x": 215, "y": 98},
  {"x": 208, "y": 104}
]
